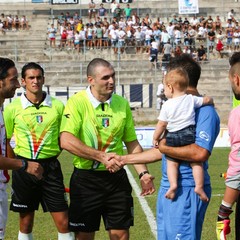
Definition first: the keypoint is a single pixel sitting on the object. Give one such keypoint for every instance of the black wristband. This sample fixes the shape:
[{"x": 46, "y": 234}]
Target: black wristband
[
  {"x": 24, "y": 164},
  {"x": 142, "y": 173}
]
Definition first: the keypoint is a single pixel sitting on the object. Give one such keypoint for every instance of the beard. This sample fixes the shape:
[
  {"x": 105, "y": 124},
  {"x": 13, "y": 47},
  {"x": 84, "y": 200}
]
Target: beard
[{"x": 237, "y": 96}]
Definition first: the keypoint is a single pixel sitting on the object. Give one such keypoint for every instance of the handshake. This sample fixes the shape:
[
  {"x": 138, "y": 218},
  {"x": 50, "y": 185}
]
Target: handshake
[{"x": 113, "y": 162}]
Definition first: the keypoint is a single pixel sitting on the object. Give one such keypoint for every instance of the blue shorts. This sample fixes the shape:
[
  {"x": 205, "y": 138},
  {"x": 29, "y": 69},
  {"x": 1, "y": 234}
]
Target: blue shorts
[
  {"x": 114, "y": 43},
  {"x": 182, "y": 137},
  {"x": 121, "y": 43},
  {"x": 181, "y": 218},
  {"x": 148, "y": 42}
]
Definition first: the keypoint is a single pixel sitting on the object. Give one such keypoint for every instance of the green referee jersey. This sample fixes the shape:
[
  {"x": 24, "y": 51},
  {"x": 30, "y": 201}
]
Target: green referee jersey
[
  {"x": 105, "y": 130},
  {"x": 36, "y": 130}
]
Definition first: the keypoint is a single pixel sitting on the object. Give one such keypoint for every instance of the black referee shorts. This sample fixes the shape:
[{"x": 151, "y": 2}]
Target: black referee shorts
[
  {"x": 28, "y": 191},
  {"x": 96, "y": 194}
]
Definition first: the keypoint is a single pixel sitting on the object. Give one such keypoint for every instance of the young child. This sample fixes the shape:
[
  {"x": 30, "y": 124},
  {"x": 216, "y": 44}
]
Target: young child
[{"x": 178, "y": 117}]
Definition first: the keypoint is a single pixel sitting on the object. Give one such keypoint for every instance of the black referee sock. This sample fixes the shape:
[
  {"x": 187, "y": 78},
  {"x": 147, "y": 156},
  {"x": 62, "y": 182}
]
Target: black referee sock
[{"x": 224, "y": 212}]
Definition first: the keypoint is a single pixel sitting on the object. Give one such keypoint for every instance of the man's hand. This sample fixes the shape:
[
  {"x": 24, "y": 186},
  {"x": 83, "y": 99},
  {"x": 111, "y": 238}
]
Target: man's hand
[
  {"x": 35, "y": 169},
  {"x": 147, "y": 184},
  {"x": 112, "y": 163}
]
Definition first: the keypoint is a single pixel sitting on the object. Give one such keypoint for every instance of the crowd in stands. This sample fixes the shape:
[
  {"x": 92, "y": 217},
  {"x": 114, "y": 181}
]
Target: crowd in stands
[
  {"x": 13, "y": 23},
  {"x": 121, "y": 28}
]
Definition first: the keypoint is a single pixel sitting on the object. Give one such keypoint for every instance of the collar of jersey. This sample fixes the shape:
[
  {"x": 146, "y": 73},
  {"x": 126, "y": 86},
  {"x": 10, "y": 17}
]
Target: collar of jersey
[
  {"x": 26, "y": 103},
  {"x": 94, "y": 101}
]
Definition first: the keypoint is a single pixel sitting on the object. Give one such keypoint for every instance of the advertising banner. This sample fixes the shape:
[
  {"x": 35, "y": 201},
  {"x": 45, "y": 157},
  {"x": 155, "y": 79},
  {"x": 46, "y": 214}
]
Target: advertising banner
[{"x": 188, "y": 7}]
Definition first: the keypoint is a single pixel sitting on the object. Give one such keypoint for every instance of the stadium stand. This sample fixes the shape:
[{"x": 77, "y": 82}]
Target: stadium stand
[{"x": 66, "y": 68}]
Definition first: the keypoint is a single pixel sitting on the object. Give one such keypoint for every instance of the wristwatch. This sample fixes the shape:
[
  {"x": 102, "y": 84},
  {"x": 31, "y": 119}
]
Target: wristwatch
[{"x": 24, "y": 165}]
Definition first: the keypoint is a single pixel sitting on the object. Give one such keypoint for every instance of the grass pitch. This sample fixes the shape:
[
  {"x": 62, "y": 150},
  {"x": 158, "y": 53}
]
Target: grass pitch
[{"x": 44, "y": 228}]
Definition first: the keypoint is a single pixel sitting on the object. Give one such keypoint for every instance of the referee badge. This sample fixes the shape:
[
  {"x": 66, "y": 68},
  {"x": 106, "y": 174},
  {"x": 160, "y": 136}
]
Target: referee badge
[
  {"x": 39, "y": 119},
  {"x": 105, "y": 122}
]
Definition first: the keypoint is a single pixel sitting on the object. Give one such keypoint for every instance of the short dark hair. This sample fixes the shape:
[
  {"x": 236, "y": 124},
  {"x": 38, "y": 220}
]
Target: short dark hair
[
  {"x": 31, "y": 65},
  {"x": 5, "y": 65},
  {"x": 186, "y": 62},
  {"x": 95, "y": 63},
  {"x": 235, "y": 58},
  {"x": 234, "y": 62}
]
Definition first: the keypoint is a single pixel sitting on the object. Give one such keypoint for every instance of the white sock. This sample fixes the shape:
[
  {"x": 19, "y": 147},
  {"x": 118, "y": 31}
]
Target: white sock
[
  {"x": 229, "y": 205},
  {"x": 66, "y": 236},
  {"x": 25, "y": 236}
]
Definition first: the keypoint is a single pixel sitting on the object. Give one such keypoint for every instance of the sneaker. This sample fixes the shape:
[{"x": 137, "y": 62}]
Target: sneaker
[{"x": 222, "y": 229}]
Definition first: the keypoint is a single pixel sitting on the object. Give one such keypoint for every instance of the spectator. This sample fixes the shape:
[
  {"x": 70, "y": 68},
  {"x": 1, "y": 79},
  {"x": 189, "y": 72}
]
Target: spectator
[
  {"x": 129, "y": 35},
  {"x": 9, "y": 22},
  {"x": 201, "y": 54},
  {"x": 230, "y": 25},
  {"x": 90, "y": 36},
  {"x": 99, "y": 36},
  {"x": 187, "y": 50},
  {"x": 229, "y": 36},
  {"x": 230, "y": 16},
  {"x": 177, "y": 36},
  {"x": 113, "y": 36},
  {"x": 127, "y": 11},
  {"x": 52, "y": 35},
  {"x": 138, "y": 40},
  {"x": 24, "y": 23},
  {"x": 63, "y": 40},
  {"x": 165, "y": 37},
  {"x": 236, "y": 39},
  {"x": 177, "y": 51},
  {"x": 194, "y": 22},
  {"x": 167, "y": 51},
  {"x": 117, "y": 12},
  {"x": 3, "y": 21},
  {"x": 61, "y": 19},
  {"x": 202, "y": 33},
  {"x": 2, "y": 30},
  {"x": 186, "y": 23},
  {"x": 161, "y": 97},
  {"x": 211, "y": 39},
  {"x": 135, "y": 18},
  {"x": 156, "y": 34},
  {"x": 91, "y": 11},
  {"x": 218, "y": 23},
  {"x": 170, "y": 30},
  {"x": 209, "y": 24},
  {"x": 16, "y": 23},
  {"x": 186, "y": 37},
  {"x": 202, "y": 20},
  {"x": 192, "y": 35},
  {"x": 219, "y": 48},
  {"x": 76, "y": 18},
  {"x": 79, "y": 25},
  {"x": 174, "y": 20},
  {"x": 102, "y": 11},
  {"x": 105, "y": 35},
  {"x": 82, "y": 39},
  {"x": 121, "y": 39},
  {"x": 70, "y": 37},
  {"x": 148, "y": 37},
  {"x": 147, "y": 20},
  {"x": 113, "y": 7},
  {"x": 153, "y": 55},
  {"x": 77, "y": 37}
]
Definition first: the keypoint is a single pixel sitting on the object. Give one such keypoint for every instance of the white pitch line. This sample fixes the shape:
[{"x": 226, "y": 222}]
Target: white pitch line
[{"x": 145, "y": 207}]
